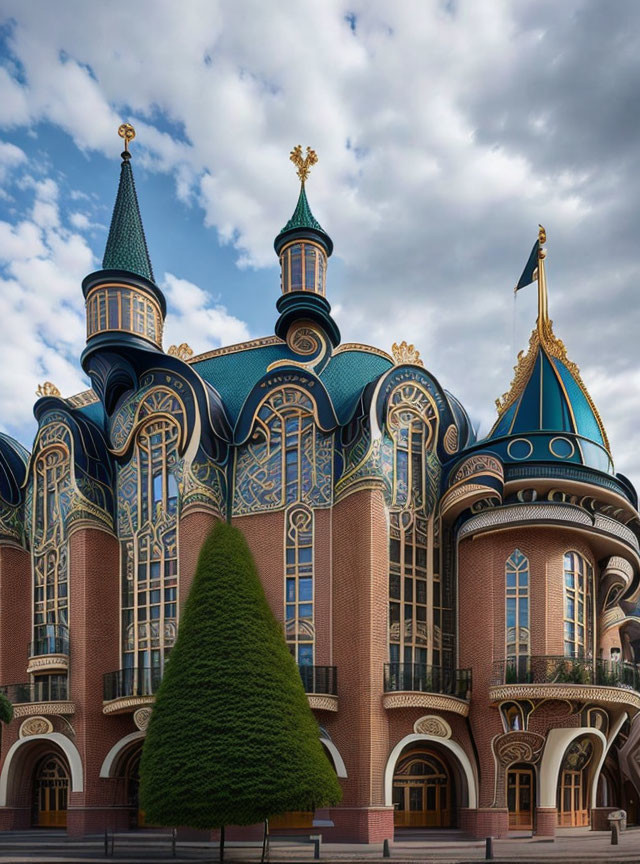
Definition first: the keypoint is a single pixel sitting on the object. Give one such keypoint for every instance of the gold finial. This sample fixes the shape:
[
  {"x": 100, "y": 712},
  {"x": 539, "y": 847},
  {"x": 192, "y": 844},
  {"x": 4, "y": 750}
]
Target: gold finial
[
  {"x": 47, "y": 389},
  {"x": 404, "y": 353},
  {"x": 126, "y": 131},
  {"x": 303, "y": 165},
  {"x": 184, "y": 351},
  {"x": 541, "y": 276}
]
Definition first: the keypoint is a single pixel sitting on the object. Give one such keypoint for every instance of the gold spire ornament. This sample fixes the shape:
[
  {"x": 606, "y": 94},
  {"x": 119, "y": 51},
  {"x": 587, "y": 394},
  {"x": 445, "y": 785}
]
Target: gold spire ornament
[
  {"x": 128, "y": 133},
  {"x": 541, "y": 276},
  {"x": 303, "y": 164}
]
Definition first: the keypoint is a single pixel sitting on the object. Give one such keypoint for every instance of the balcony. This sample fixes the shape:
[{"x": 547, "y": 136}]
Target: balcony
[
  {"x": 321, "y": 686},
  {"x": 413, "y": 685},
  {"x": 128, "y": 689},
  {"x": 47, "y": 696},
  {"x": 552, "y": 677},
  {"x": 49, "y": 651}
]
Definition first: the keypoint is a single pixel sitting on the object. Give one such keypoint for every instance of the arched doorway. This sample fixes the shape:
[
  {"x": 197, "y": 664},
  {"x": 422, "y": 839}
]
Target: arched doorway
[
  {"x": 51, "y": 792},
  {"x": 423, "y": 790},
  {"x": 573, "y": 785},
  {"x": 521, "y": 796},
  {"x": 131, "y": 772}
]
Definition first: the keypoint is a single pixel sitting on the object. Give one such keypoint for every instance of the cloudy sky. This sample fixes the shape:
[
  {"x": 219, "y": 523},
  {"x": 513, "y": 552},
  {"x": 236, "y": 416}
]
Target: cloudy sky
[{"x": 446, "y": 131}]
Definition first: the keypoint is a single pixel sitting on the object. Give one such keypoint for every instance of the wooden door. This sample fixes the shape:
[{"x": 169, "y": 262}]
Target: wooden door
[
  {"x": 52, "y": 790},
  {"x": 520, "y": 798},
  {"x": 421, "y": 792},
  {"x": 572, "y": 812}
]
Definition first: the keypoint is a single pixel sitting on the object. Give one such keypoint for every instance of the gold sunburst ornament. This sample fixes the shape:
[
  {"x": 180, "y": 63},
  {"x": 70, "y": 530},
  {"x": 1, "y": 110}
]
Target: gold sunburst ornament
[
  {"x": 303, "y": 164},
  {"x": 128, "y": 133},
  {"x": 47, "y": 389}
]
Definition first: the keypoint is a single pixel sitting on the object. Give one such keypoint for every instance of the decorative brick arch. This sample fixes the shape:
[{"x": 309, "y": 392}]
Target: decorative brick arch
[
  {"x": 336, "y": 758},
  {"x": 112, "y": 758},
  {"x": 446, "y": 743},
  {"x": 557, "y": 742},
  {"x": 61, "y": 742}
]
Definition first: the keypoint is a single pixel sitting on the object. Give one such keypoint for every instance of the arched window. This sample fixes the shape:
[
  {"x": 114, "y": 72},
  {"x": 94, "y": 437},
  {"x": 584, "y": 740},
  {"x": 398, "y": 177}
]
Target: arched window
[
  {"x": 52, "y": 493},
  {"x": 578, "y": 606},
  {"x": 287, "y": 458},
  {"x": 147, "y": 521},
  {"x": 417, "y": 607},
  {"x": 299, "y": 622},
  {"x": 518, "y": 645}
]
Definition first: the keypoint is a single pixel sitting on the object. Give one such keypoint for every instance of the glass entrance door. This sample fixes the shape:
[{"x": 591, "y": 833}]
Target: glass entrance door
[
  {"x": 520, "y": 798},
  {"x": 572, "y": 813}
]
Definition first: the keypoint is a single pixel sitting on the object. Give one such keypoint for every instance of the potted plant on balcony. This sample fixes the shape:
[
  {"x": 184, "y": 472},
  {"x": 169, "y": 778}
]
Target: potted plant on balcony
[{"x": 231, "y": 740}]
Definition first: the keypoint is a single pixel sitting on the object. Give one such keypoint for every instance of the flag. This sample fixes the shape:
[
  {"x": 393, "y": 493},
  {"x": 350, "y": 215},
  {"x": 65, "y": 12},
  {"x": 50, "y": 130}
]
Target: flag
[{"x": 529, "y": 273}]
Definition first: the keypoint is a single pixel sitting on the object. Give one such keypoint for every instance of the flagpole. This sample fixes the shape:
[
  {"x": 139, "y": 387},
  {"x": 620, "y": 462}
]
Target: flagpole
[{"x": 543, "y": 309}]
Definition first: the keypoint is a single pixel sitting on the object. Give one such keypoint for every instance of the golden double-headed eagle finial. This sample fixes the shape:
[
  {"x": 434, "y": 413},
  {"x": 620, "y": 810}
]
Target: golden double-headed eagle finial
[
  {"x": 303, "y": 164},
  {"x": 126, "y": 131}
]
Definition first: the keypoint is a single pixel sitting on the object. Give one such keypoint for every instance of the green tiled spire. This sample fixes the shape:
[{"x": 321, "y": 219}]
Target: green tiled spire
[
  {"x": 126, "y": 245},
  {"x": 302, "y": 215}
]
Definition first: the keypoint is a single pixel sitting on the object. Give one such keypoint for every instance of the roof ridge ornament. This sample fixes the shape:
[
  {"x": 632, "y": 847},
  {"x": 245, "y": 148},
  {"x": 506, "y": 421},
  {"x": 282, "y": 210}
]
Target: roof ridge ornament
[
  {"x": 128, "y": 133},
  {"x": 405, "y": 353},
  {"x": 47, "y": 389},
  {"x": 303, "y": 164}
]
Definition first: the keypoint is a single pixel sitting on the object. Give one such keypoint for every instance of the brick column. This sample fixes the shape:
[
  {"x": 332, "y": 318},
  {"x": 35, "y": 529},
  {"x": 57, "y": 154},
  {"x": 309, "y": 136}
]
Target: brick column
[
  {"x": 546, "y": 820},
  {"x": 94, "y": 639},
  {"x": 15, "y": 625},
  {"x": 193, "y": 530},
  {"x": 360, "y": 728}
]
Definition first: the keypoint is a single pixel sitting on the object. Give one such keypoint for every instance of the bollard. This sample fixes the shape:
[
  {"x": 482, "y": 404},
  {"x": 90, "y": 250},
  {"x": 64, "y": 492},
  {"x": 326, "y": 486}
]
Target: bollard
[
  {"x": 488, "y": 854},
  {"x": 615, "y": 834},
  {"x": 173, "y": 842},
  {"x": 106, "y": 843},
  {"x": 386, "y": 852}
]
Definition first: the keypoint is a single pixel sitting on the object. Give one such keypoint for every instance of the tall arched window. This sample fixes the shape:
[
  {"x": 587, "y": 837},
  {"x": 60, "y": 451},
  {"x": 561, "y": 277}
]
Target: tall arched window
[
  {"x": 417, "y": 607},
  {"x": 52, "y": 494},
  {"x": 147, "y": 519},
  {"x": 299, "y": 622},
  {"x": 517, "y": 608},
  {"x": 578, "y": 606}
]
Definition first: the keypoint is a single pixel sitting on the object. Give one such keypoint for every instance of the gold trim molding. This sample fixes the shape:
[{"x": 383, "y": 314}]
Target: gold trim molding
[
  {"x": 433, "y": 701},
  {"x": 573, "y": 692}
]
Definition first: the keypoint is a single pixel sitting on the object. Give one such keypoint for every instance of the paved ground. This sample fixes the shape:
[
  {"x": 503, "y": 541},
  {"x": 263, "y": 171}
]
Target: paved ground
[{"x": 446, "y": 847}]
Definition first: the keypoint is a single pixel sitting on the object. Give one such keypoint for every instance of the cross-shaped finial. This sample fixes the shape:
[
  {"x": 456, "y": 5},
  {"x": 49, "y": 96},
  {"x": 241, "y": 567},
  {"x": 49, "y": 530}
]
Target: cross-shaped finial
[{"x": 303, "y": 164}]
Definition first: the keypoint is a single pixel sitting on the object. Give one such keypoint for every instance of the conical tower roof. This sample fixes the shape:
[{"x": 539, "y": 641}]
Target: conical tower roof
[
  {"x": 303, "y": 224},
  {"x": 126, "y": 245},
  {"x": 548, "y": 396}
]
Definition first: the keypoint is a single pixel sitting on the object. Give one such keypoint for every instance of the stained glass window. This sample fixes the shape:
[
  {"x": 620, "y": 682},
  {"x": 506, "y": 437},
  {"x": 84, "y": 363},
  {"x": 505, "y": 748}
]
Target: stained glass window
[
  {"x": 148, "y": 508},
  {"x": 52, "y": 482},
  {"x": 299, "y": 624}
]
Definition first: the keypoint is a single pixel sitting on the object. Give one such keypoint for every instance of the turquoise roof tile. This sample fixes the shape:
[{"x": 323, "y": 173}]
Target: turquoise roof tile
[{"x": 126, "y": 245}]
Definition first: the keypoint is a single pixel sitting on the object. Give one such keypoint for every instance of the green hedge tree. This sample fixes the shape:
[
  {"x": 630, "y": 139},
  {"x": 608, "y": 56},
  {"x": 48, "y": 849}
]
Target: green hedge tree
[
  {"x": 6, "y": 709},
  {"x": 231, "y": 740}
]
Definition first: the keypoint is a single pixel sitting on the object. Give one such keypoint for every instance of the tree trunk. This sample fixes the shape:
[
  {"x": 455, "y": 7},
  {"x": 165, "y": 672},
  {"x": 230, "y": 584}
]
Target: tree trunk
[
  {"x": 265, "y": 842},
  {"x": 222, "y": 843}
]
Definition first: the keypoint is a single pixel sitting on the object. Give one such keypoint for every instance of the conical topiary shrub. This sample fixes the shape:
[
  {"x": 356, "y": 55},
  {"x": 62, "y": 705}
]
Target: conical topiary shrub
[{"x": 231, "y": 740}]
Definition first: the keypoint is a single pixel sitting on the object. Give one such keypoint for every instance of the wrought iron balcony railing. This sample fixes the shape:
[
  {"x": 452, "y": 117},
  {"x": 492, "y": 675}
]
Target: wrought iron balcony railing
[
  {"x": 427, "y": 679},
  {"x": 49, "y": 639},
  {"x": 52, "y": 688},
  {"x": 566, "y": 670},
  {"x": 142, "y": 681},
  {"x": 319, "y": 679},
  {"x": 138, "y": 681}
]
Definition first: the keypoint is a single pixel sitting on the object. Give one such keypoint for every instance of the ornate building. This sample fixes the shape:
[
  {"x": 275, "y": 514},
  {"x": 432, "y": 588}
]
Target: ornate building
[{"x": 465, "y": 614}]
